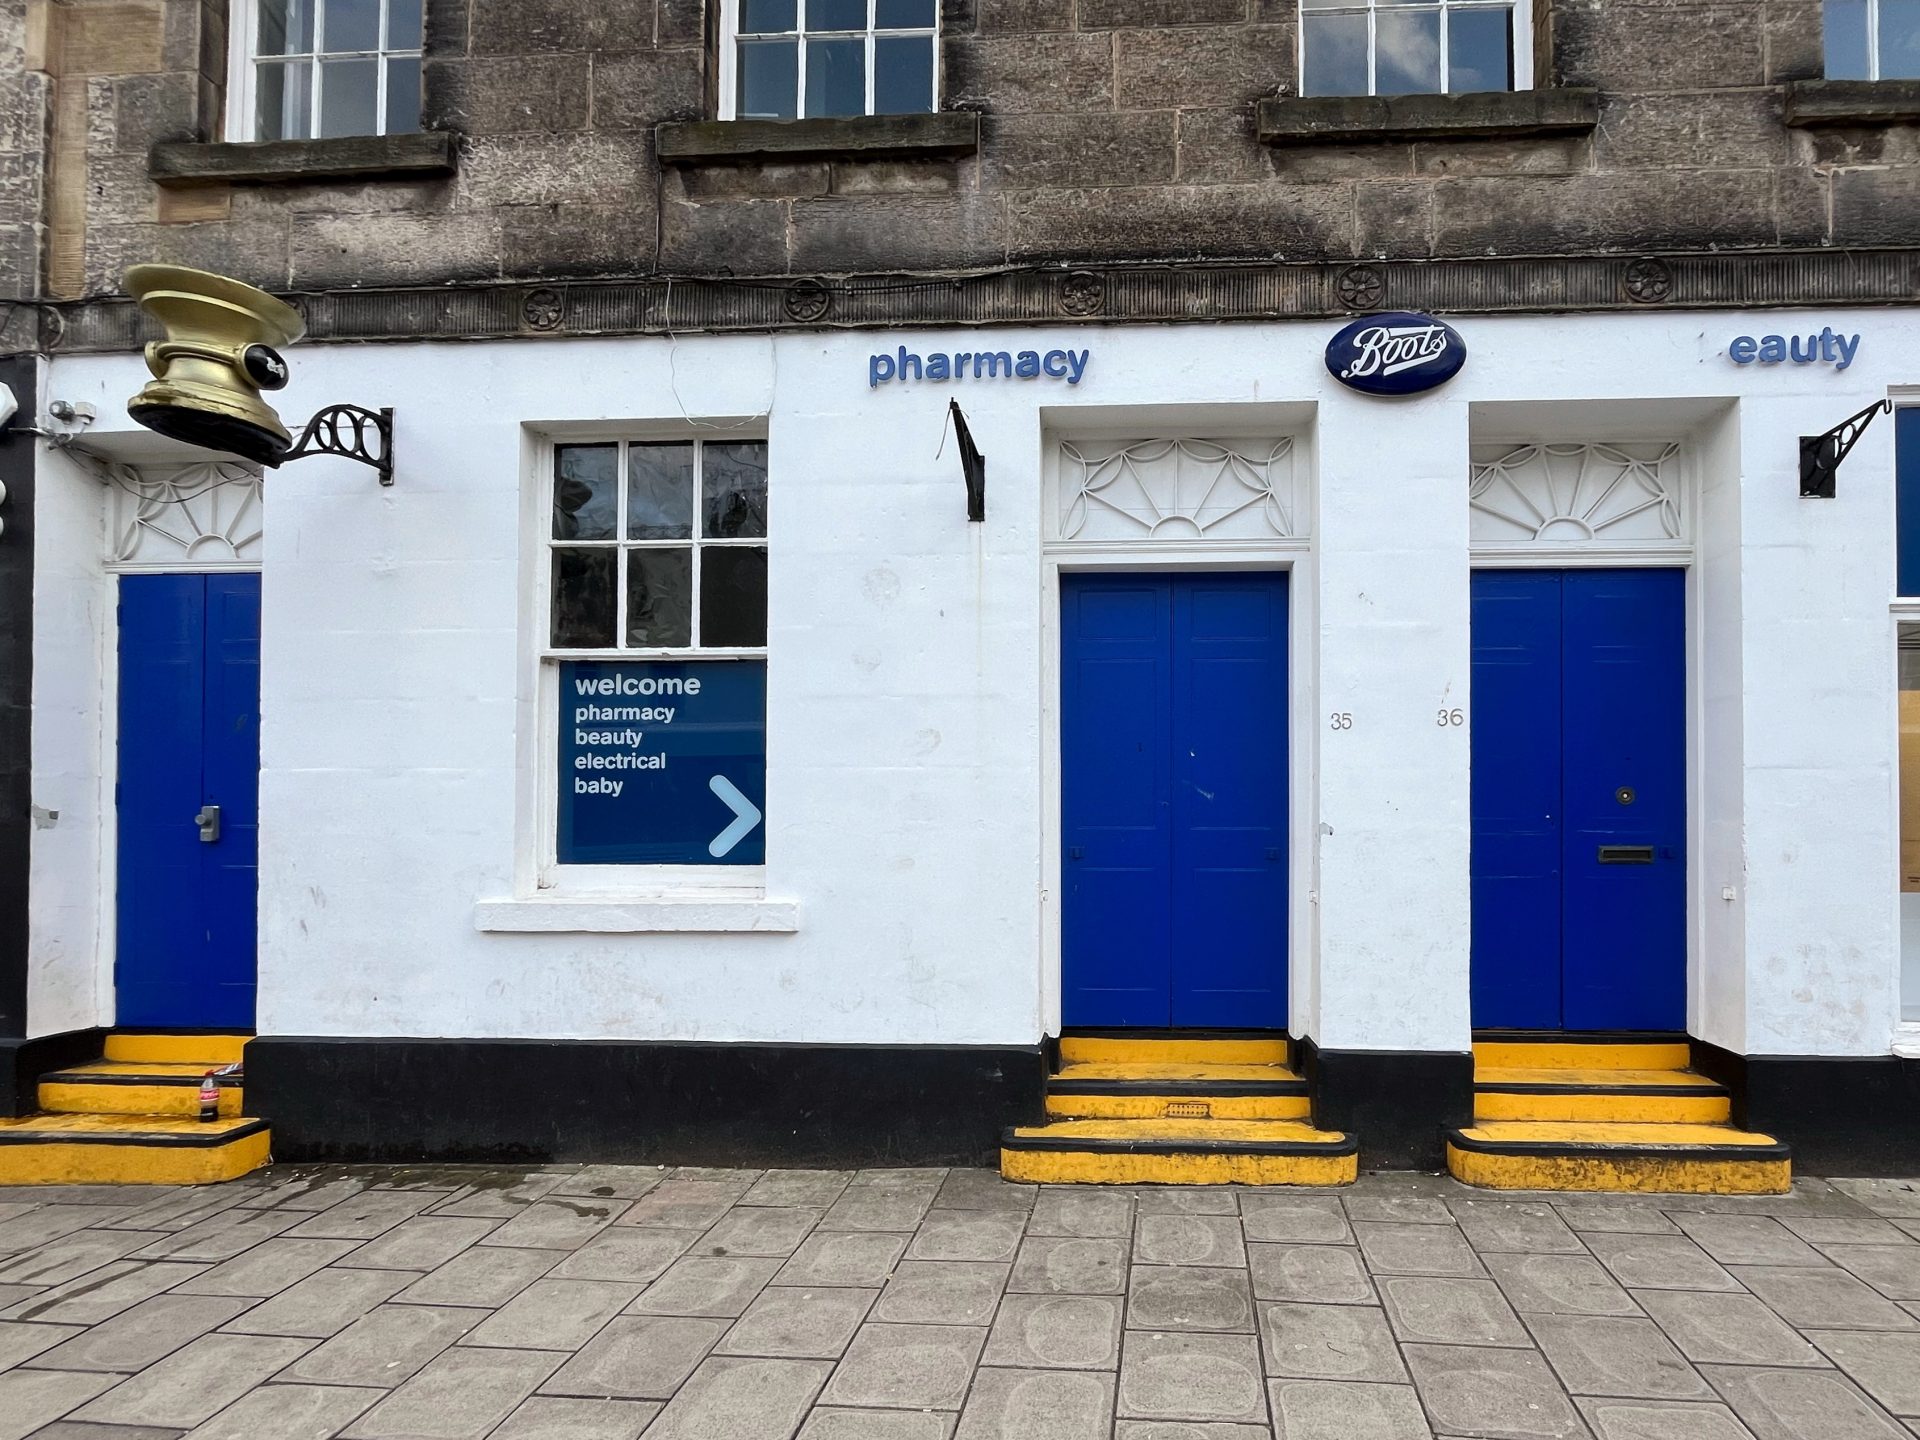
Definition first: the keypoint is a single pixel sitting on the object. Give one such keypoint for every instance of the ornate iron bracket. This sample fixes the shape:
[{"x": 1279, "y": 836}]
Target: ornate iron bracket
[
  {"x": 1820, "y": 455},
  {"x": 342, "y": 430}
]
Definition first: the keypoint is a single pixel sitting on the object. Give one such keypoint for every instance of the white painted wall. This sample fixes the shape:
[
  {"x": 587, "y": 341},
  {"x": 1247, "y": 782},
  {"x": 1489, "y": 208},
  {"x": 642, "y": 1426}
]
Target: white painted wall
[{"x": 905, "y": 690}]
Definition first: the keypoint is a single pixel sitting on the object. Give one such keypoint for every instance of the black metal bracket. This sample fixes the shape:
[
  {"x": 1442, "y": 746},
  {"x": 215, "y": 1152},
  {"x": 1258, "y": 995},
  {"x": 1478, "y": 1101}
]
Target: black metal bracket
[
  {"x": 973, "y": 465},
  {"x": 342, "y": 430},
  {"x": 1820, "y": 455}
]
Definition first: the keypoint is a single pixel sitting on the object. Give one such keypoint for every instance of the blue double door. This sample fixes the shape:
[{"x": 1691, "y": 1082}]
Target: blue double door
[
  {"x": 1579, "y": 799},
  {"x": 1173, "y": 738},
  {"x": 188, "y": 800}
]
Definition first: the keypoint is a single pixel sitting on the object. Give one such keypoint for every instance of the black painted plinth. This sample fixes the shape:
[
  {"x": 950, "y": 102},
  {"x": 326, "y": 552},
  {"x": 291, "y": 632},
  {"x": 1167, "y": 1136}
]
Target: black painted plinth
[
  {"x": 1397, "y": 1101},
  {"x": 1840, "y": 1114}
]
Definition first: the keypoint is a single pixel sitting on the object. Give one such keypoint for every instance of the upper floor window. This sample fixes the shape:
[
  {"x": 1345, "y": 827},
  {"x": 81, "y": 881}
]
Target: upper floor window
[
  {"x": 1873, "y": 39},
  {"x": 315, "y": 69},
  {"x": 1413, "y": 47},
  {"x": 783, "y": 59}
]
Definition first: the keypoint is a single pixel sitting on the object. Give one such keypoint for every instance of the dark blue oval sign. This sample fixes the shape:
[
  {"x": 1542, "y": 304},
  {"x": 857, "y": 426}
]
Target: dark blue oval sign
[{"x": 1397, "y": 352}]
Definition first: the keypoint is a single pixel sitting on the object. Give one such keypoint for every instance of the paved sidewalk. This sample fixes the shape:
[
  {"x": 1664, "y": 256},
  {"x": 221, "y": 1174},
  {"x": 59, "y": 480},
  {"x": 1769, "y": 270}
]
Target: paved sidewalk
[{"x": 603, "y": 1303}]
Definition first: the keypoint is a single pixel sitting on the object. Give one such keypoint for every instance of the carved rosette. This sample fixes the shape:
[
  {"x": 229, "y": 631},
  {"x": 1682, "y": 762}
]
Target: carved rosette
[
  {"x": 807, "y": 301},
  {"x": 1083, "y": 293},
  {"x": 544, "y": 309},
  {"x": 1649, "y": 281},
  {"x": 1362, "y": 287}
]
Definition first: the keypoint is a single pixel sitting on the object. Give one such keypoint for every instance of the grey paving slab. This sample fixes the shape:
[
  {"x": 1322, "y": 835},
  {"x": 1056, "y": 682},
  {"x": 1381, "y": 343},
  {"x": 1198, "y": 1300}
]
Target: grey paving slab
[
  {"x": 633, "y": 1253},
  {"x": 1038, "y": 1405},
  {"x": 907, "y": 1367},
  {"x": 143, "y": 1334},
  {"x": 1526, "y": 1226},
  {"x": 1070, "y": 1332},
  {"x": 1819, "y": 1231},
  {"x": 684, "y": 1204},
  {"x": 1188, "y": 1297},
  {"x": 558, "y": 1223},
  {"x": 178, "y": 1209},
  {"x": 363, "y": 1216},
  {"x": 1191, "y": 1377},
  {"x": 815, "y": 1189},
  {"x": 1614, "y": 1419},
  {"x": 1410, "y": 1209},
  {"x": 112, "y": 1197},
  {"x": 195, "y": 1382},
  {"x": 798, "y": 1322},
  {"x": 706, "y": 1285},
  {"x": 74, "y": 1257},
  {"x": 1415, "y": 1248},
  {"x": 1559, "y": 1285},
  {"x": 42, "y": 1224},
  {"x": 383, "y": 1347},
  {"x": 1616, "y": 1355},
  {"x": 1748, "y": 1240},
  {"x": 743, "y": 1178},
  {"x": 221, "y": 1236},
  {"x": 852, "y": 1258},
  {"x": 1801, "y": 1404},
  {"x": 482, "y": 1276},
  {"x": 1327, "y": 1274},
  {"x": 1188, "y": 1240},
  {"x": 638, "y": 1357},
  {"x": 462, "y": 1394},
  {"x": 289, "y": 1412},
  {"x": 1295, "y": 1219},
  {"x": 1885, "y": 1365},
  {"x": 1187, "y": 1200},
  {"x": 21, "y": 1341},
  {"x": 1891, "y": 1198},
  {"x": 611, "y": 1182},
  {"x": 268, "y": 1268},
  {"x": 1069, "y": 1264},
  {"x": 1659, "y": 1262},
  {"x": 765, "y": 1230},
  {"x": 501, "y": 1200},
  {"x": 104, "y": 1293},
  {"x": 826, "y": 1423},
  {"x": 1910, "y": 1228},
  {"x": 422, "y": 1243},
  {"x": 32, "y": 1398},
  {"x": 1344, "y": 1410},
  {"x": 983, "y": 1190},
  {"x": 1188, "y": 1430},
  {"x": 1088, "y": 1212},
  {"x": 553, "y": 1314},
  {"x": 1615, "y": 1217},
  {"x": 556, "y": 1417},
  {"x": 1328, "y": 1342},
  {"x": 968, "y": 1235},
  {"x": 942, "y": 1292},
  {"x": 1447, "y": 1311},
  {"x": 324, "y": 1304},
  {"x": 312, "y": 1191},
  {"x": 12, "y": 1295},
  {"x": 1824, "y": 1299},
  {"x": 1500, "y": 1394},
  {"x": 1725, "y": 1329},
  {"x": 87, "y": 1430},
  {"x": 734, "y": 1397},
  {"x": 878, "y": 1207},
  {"x": 1893, "y": 1270}
]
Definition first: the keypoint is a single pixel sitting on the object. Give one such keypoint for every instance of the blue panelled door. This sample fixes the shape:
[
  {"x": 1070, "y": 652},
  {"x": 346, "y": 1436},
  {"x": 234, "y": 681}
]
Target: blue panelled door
[
  {"x": 1174, "y": 800},
  {"x": 1579, "y": 799},
  {"x": 189, "y": 743}
]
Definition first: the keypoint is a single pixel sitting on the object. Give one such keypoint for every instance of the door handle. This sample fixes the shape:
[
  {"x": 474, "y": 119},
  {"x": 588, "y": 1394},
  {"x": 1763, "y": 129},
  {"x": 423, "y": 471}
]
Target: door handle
[
  {"x": 209, "y": 822},
  {"x": 1626, "y": 855}
]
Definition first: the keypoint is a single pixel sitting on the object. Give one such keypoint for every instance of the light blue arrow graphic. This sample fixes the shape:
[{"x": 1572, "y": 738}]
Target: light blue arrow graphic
[{"x": 746, "y": 815}]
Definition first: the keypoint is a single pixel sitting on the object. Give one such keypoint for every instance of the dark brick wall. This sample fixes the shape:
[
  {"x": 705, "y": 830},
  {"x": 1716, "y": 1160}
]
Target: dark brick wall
[{"x": 1112, "y": 129}]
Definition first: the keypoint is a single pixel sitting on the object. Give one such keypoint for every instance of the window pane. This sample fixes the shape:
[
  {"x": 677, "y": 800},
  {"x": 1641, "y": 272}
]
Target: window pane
[
  {"x": 903, "y": 14},
  {"x": 1407, "y": 61},
  {"x": 767, "y": 17},
  {"x": 403, "y": 95},
  {"x": 348, "y": 99},
  {"x": 403, "y": 24},
  {"x": 583, "y": 598},
  {"x": 286, "y": 27},
  {"x": 769, "y": 79},
  {"x": 736, "y": 491},
  {"x": 350, "y": 25},
  {"x": 836, "y": 15},
  {"x": 1846, "y": 39},
  {"x": 1899, "y": 40},
  {"x": 660, "y": 491},
  {"x": 1336, "y": 55},
  {"x": 1479, "y": 52},
  {"x": 585, "y": 491},
  {"x": 733, "y": 595},
  {"x": 659, "y": 597},
  {"x": 837, "y": 77},
  {"x": 281, "y": 102},
  {"x": 903, "y": 76}
]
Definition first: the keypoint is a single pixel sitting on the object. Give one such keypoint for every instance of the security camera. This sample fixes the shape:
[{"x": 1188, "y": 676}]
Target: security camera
[{"x": 218, "y": 355}]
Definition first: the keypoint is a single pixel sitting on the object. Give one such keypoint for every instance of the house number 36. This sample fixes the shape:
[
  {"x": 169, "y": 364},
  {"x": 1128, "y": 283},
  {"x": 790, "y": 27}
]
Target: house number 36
[{"x": 1449, "y": 718}]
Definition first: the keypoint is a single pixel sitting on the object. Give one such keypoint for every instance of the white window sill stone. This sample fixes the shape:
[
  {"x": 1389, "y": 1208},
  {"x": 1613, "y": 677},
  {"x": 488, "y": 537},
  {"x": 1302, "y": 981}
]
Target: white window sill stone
[
  {"x": 1906, "y": 1040},
  {"x": 687, "y": 914}
]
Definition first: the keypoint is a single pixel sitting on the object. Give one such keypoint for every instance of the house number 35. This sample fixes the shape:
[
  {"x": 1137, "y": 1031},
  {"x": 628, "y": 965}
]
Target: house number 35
[{"x": 1340, "y": 720}]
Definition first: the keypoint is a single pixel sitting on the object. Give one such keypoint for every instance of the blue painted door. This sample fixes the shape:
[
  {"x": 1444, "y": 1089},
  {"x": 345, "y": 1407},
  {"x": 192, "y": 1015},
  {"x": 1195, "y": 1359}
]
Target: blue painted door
[
  {"x": 1174, "y": 801},
  {"x": 189, "y": 739},
  {"x": 1579, "y": 799}
]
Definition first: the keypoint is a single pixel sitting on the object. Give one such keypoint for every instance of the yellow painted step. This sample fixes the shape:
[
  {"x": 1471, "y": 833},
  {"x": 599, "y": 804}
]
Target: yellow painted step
[
  {"x": 1179, "y": 1152},
  {"x": 129, "y": 1150},
  {"x": 1145, "y": 1089},
  {"x": 1175, "y": 1049},
  {"x": 1598, "y": 1095},
  {"x": 1559, "y": 1053},
  {"x": 1673, "y": 1159},
  {"x": 207, "y": 1051},
  {"x": 124, "y": 1087},
  {"x": 1153, "y": 1105}
]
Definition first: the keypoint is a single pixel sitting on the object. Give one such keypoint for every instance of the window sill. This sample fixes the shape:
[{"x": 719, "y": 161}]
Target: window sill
[
  {"x": 265, "y": 162},
  {"x": 690, "y": 914},
  {"x": 1853, "y": 102},
  {"x": 946, "y": 132},
  {"x": 1494, "y": 115}
]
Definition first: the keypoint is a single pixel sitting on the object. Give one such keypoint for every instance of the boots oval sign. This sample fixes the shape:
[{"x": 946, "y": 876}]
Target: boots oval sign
[{"x": 1396, "y": 353}]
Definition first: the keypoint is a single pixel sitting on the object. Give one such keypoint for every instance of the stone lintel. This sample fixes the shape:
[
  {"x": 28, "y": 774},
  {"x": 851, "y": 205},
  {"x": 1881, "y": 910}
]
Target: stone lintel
[
  {"x": 266, "y": 162},
  {"x": 1853, "y": 102},
  {"x": 1497, "y": 114},
  {"x": 693, "y": 142}
]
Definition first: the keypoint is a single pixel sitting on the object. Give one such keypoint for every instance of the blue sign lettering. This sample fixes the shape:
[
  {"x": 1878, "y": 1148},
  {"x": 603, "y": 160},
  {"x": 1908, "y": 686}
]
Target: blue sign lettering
[
  {"x": 663, "y": 762},
  {"x": 1826, "y": 348},
  {"x": 905, "y": 365},
  {"x": 1396, "y": 353}
]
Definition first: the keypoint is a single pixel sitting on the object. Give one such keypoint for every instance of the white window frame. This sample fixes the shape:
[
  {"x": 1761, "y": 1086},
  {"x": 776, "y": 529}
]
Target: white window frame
[
  {"x": 1873, "y": 39},
  {"x": 730, "y": 56},
  {"x": 1520, "y": 28},
  {"x": 243, "y": 39}
]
